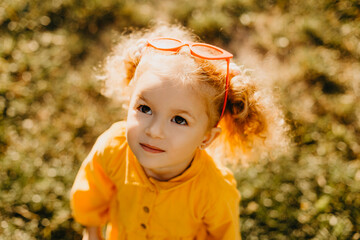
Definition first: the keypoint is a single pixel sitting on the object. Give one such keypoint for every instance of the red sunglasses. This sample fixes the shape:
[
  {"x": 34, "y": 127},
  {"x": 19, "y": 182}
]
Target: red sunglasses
[{"x": 201, "y": 50}]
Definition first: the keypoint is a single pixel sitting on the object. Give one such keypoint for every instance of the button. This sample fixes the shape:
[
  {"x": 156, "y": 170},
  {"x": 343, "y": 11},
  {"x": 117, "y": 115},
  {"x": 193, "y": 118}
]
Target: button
[
  {"x": 146, "y": 209},
  {"x": 143, "y": 226}
]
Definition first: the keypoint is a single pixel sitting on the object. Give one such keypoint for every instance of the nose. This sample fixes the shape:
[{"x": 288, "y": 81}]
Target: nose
[{"x": 155, "y": 129}]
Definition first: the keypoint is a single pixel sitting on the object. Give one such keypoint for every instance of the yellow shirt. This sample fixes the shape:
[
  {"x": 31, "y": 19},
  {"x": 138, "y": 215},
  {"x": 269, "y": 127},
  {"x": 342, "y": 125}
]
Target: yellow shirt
[{"x": 111, "y": 187}]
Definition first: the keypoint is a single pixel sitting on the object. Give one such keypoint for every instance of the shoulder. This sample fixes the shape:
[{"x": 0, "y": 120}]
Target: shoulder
[
  {"x": 219, "y": 179},
  {"x": 216, "y": 188},
  {"x": 117, "y": 131},
  {"x": 113, "y": 137},
  {"x": 110, "y": 147}
]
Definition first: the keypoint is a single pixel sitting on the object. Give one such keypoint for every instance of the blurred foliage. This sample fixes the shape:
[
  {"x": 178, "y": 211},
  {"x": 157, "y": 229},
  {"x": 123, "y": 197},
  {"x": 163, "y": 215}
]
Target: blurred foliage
[{"x": 51, "y": 109}]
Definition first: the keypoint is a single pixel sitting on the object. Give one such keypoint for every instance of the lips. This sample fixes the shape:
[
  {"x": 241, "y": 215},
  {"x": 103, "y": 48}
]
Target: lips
[{"x": 151, "y": 149}]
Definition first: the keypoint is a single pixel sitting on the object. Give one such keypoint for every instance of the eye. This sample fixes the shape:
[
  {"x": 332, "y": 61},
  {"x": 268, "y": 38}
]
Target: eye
[
  {"x": 179, "y": 120},
  {"x": 145, "y": 109}
]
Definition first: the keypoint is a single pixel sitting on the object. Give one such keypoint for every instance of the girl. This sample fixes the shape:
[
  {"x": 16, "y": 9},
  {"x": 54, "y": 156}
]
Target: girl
[{"x": 150, "y": 177}]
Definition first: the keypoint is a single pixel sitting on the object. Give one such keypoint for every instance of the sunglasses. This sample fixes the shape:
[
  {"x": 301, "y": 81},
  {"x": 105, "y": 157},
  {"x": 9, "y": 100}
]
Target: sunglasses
[{"x": 200, "y": 50}]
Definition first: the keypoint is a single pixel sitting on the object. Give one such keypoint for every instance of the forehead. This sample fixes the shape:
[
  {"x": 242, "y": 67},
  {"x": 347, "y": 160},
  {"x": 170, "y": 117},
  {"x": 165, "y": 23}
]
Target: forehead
[
  {"x": 167, "y": 89},
  {"x": 179, "y": 66}
]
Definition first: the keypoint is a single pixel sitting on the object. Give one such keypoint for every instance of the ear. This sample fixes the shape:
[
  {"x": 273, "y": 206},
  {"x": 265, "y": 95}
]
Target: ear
[{"x": 209, "y": 137}]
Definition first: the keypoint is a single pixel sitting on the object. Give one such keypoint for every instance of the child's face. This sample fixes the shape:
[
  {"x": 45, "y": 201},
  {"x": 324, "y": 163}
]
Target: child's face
[{"x": 166, "y": 123}]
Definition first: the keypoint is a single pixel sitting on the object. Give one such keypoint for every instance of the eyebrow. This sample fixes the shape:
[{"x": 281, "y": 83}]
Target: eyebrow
[
  {"x": 178, "y": 111},
  {"x": 142, "y": 98}
]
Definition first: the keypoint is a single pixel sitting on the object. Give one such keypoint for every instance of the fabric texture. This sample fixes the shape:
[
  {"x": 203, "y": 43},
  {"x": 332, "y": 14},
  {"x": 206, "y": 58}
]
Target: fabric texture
[{"x": 112, "y": 188}]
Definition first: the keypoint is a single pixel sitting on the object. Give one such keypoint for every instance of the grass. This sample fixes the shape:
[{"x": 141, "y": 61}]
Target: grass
[{"x": 52, "y": 110}]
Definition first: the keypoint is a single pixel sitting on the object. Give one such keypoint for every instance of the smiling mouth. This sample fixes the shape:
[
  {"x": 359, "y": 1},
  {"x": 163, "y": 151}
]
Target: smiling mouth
[{"x": 151, "y": 149}]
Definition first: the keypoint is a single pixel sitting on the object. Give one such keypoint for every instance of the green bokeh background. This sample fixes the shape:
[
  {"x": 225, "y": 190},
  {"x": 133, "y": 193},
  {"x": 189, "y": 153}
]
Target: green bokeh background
[{"x": 51, "y": 109}]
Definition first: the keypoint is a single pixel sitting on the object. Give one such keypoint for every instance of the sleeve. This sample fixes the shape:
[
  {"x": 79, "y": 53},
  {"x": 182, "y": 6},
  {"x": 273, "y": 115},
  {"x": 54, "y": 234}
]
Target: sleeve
[
  {"x": 93, "y": 189},
  {"x": 222, "y": 215}
]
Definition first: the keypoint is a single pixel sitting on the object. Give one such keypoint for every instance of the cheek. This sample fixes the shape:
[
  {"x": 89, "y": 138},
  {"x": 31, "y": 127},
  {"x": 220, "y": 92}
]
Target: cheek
[
  {"x": 132, "y": 124},
  {"x": 130, "y": 130},
  {"x": 187, "y": 141},
  {"x": 133, "y": 134}
]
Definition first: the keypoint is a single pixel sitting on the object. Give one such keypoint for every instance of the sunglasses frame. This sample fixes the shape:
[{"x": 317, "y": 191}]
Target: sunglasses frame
[{"x": 225, "y": 55}]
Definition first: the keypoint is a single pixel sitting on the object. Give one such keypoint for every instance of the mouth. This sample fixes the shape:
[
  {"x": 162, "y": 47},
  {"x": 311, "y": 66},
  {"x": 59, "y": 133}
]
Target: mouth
[{"x": 151, "y": 149}]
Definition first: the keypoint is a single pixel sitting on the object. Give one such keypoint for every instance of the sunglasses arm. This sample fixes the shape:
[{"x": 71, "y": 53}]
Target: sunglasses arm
[{"x": 226, "y": 88}]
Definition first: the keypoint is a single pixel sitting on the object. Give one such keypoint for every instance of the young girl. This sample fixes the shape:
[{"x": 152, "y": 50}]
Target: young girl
[{"x": 150, "y": 176}]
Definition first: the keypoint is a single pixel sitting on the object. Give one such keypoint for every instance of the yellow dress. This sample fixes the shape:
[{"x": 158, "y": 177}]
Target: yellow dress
[{"x": 112, "y": 188}]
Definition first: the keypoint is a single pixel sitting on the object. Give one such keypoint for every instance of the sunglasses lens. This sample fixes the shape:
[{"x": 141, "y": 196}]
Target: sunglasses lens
[
  {"x": 166, "y": 43},
  {"x": 206, "y": 51}
]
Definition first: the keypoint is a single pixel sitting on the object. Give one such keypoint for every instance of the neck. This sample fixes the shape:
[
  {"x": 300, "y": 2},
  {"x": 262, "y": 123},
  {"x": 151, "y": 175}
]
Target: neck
[{"x": 166, "y": 174}]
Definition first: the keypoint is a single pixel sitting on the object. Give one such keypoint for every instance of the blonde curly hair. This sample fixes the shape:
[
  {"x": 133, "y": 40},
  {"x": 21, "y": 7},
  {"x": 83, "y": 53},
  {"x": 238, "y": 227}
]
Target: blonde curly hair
[{"x": 251, "y": 118}]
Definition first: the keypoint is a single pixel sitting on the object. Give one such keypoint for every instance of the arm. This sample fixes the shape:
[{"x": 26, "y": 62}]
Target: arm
[
  {"x": 93, "y": 189},
  {"x": 221, "y": 210},
  {"x": 91, "y": 194},
  {"x": 222, "y": 218}
]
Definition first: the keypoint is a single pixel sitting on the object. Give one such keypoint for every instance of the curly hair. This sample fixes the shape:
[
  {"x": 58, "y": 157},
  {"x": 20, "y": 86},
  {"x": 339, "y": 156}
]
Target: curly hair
[{"x": 251, "y": 118}]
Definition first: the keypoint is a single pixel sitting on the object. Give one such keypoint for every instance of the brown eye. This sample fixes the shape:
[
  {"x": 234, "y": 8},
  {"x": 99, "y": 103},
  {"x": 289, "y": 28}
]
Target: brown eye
[
  {"x": 145, "y": 109},
  {"x": 179, "y": 120}
]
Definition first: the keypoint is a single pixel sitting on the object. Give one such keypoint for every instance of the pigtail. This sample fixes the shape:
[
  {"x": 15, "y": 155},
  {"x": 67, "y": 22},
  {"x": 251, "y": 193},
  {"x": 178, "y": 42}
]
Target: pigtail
[
  {"x": 243, "y": 119},
  {"x": 131, "y": 60},
  {"x": 252, "y": 120},
  {"x": 119, "y": 68}
]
